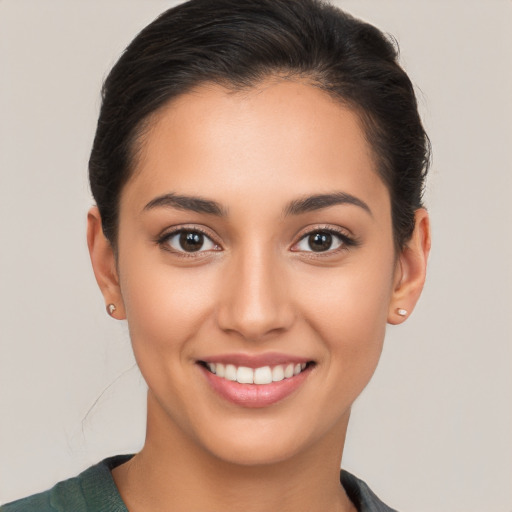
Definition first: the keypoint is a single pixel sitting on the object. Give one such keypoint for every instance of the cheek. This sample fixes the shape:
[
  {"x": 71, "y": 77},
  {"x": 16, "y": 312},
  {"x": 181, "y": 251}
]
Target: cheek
[
  {"x": 352, "y": 298},
  {"x": 348, "y": 309},
  {"x": 164, "y": 307}
]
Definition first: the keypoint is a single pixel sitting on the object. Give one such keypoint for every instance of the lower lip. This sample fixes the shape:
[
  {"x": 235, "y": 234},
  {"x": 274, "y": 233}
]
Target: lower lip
[{"x": 255, "y": 395}]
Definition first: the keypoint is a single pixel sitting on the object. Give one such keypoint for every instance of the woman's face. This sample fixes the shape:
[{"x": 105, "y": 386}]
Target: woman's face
[{"x": 255, "y": 233}]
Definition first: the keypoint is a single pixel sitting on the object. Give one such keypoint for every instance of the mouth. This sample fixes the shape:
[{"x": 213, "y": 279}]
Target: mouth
[
  {"x": 253, "y": 384},
  {"x": 262, "y": 375}
]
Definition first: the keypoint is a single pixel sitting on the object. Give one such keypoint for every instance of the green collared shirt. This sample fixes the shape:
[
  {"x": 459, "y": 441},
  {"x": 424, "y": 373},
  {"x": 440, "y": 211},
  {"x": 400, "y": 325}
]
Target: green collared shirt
[{"x": 94, "y": 490}]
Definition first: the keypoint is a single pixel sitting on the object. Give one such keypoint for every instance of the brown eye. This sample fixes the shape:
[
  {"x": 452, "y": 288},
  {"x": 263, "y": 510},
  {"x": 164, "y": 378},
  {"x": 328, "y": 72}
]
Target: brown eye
[
  {"x": 319, "y": 242},
  {"x": 322, "y": 241},
  {"x": 191, "y": 241},
  {"x": 187, "y": 240}
]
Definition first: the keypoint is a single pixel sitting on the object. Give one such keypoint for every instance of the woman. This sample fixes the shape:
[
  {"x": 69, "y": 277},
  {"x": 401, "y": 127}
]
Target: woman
[{"x": 258, "y": 170}]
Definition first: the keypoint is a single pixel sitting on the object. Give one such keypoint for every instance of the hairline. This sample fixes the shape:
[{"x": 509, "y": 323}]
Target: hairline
[{"x": 140, "y": 134}]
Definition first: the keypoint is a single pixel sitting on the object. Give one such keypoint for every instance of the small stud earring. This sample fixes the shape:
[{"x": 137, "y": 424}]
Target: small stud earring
[
  {"x": 111, "y": 309},
  {"x": 402, "y": 312}
]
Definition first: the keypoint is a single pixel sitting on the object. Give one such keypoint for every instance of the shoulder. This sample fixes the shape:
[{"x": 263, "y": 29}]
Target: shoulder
[
  {"x": 361, "y": 495},
  {"x": 66, "y": 495},
  {"x": 93, "y": 490}
]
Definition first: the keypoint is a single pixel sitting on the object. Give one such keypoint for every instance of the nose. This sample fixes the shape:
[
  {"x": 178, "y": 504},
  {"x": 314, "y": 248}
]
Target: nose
[{"x": 254, "y": 301}]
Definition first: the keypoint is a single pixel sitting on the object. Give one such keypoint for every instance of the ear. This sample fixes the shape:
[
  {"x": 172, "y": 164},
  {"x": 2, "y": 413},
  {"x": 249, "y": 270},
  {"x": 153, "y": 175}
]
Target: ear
[
  {"x": 411, "y": 270},
  {"x": 104, "y": 263}
]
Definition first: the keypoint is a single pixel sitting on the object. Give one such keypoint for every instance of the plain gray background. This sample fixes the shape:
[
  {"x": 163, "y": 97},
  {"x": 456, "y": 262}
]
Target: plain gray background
[{"x": 432, "y": 432}]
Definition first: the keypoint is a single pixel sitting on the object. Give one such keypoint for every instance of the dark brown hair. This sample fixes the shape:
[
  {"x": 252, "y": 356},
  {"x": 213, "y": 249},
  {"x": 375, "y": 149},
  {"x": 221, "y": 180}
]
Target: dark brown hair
[{"x": 239, "y": 43}]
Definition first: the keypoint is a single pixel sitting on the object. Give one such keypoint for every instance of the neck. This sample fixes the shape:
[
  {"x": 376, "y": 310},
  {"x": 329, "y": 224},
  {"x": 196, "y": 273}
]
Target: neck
[{"x": 172, "y": 472}]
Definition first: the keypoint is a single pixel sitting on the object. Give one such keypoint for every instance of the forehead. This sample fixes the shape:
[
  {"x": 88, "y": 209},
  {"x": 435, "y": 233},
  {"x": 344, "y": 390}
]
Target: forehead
[{"x": 279, "y": 135}]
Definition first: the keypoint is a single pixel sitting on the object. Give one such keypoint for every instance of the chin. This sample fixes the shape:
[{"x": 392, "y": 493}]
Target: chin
[
  {"x": 255, "y": 454},
  {"x": 263, "y": 443}
]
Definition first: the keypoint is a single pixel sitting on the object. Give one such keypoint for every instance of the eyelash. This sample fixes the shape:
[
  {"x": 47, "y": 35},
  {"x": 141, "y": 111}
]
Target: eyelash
[
  {"x": 163, "y": 241},
  {"x": 346, "y": 241}
]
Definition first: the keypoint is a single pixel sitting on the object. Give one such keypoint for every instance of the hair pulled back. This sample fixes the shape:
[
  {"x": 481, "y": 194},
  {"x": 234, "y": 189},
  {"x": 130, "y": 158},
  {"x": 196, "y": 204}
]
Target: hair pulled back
[{"x": 239, "y": 43}]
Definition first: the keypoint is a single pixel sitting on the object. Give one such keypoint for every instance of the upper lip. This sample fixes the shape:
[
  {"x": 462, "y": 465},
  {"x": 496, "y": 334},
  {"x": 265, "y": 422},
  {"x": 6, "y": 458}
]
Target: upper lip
[{"x": 256, "y": 360}]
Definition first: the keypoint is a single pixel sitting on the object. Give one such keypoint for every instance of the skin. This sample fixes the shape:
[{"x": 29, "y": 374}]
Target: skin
[{"x": 257, "y": 288}]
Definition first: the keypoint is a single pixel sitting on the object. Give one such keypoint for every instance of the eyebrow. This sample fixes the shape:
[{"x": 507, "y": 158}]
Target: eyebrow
[
  {"x": 189, "y": 203},
  {"x": 295, "y": 207},
  {"x": 319, "y": 201}
]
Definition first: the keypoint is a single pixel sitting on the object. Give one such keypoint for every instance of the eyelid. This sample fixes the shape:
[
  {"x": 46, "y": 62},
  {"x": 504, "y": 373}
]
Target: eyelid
[
  {"x": 347, "y": 238},
  {"x": 169, "y": 232}
]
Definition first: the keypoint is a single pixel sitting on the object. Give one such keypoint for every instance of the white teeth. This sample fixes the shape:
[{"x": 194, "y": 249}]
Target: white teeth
[
  {"x": 230, "y": 372},
  {"x": 278, "y": 373},
  {"x": 220, "y": 370},
  {"x": 263, "y": 375},
  {"x": 245, "y": 375}
]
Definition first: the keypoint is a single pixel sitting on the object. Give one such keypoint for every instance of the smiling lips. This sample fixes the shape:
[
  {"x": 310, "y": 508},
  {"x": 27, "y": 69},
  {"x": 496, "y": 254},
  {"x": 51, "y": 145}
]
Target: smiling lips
[
  {"x": 254, "y": 386},
  {"x": 261, "y": 375}
]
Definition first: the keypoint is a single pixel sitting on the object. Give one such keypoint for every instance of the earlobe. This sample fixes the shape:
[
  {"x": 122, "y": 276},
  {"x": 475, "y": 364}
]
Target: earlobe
[
  {"x": 104, "y": 264},
  {"x": 411, "y": 270}
]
